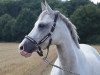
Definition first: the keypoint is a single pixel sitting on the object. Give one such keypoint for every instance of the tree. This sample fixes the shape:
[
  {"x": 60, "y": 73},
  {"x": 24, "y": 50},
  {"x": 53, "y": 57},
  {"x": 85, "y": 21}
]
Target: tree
[
  {"x": 98, "y": 4},
  {"x": 13, "y": 7},
  {"x": 24, "y": 24},
  {"x": 87, "y": 20},
  {"x": 72, "y": 5},
  {"x": 2, "y": 9},
  {"x": 7, "y": 31},
  {"x": 17, "y": 17},
  {"x": 3, "y": 21}
]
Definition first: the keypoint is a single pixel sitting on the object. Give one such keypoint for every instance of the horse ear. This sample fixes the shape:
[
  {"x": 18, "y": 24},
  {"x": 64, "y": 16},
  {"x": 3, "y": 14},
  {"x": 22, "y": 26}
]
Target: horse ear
[
  {"x": 43, "y": 6},
  {"x": 48, "y": 7}
]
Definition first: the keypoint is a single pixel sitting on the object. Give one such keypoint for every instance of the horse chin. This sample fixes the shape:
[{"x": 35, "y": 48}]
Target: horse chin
[{"x": 25, "y": 54}]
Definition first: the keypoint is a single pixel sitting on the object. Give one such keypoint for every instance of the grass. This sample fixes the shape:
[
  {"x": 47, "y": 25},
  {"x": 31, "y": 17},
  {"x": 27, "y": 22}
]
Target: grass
[{"x": 12, "y": 63}]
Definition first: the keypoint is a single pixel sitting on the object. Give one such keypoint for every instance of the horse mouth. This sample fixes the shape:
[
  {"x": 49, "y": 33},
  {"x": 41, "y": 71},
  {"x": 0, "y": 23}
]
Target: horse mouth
[{"x": 25, "y": 54}]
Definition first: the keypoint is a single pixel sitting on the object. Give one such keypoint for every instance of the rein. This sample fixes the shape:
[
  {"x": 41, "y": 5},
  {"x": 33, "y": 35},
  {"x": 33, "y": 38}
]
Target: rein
[{"x": 40, "y": 52}]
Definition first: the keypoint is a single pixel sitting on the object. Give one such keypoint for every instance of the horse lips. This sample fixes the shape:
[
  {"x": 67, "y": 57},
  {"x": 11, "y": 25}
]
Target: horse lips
[{"x": 25, "y": 54}]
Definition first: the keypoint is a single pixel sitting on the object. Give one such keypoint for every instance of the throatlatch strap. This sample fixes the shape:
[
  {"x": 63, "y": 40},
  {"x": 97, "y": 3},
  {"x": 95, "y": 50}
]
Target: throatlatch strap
[
  {"x": 48, "y": 47},
  {"x": 46, "y": 37},
  {"x": 49, "y": 43},
  {"x": 40, "y": 52}
]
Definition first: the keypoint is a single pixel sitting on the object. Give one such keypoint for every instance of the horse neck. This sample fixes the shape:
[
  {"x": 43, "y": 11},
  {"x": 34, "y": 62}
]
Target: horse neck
[
  {"x": 68, "y": 58},
  {"x": 67, "y": 52}
]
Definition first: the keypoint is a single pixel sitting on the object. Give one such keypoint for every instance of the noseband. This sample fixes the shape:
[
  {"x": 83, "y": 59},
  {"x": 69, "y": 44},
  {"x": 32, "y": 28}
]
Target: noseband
[{"x": 39, "y": 51}]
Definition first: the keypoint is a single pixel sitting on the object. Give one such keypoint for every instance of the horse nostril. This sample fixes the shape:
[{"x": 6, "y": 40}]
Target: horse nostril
[{"x": 21, "y": 48}]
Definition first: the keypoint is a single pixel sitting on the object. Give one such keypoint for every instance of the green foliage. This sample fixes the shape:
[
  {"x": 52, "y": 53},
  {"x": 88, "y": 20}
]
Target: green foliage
[
  {"x": 72, "y": 5},
  {"x": 98, "y": 5},
  {"x": 24, "y": 23},
  {"x": 17, "y": 18},
  {"x": 7, "y": 31},
  {"x": 95, "y": 39},
  {"x": 2, "y": 9},
  {"x": 13, "y": 8},
  {"x": 87, "y": 20},
  {"x": 4, "y": 19}
]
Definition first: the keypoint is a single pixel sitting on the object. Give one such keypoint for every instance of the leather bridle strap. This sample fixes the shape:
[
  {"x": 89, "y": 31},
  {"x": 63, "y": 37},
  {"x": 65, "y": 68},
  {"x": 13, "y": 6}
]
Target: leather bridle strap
[
  {"x": 39, "y": 51},
  {"x": 47, "y": 36},
  {"x": 51, "y": 31}
]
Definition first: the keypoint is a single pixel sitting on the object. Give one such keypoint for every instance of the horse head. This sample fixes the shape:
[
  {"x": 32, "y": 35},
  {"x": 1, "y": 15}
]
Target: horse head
[{"x": 44, "y": 33}]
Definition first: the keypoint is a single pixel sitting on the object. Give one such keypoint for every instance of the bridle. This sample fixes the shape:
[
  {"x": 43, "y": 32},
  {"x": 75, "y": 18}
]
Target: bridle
[{"x": 40, "y": 52}]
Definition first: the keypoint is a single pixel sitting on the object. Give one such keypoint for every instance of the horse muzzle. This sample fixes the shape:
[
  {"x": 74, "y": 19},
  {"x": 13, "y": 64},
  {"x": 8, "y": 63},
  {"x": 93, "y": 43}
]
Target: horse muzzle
[{"x": 27, "y": 48}]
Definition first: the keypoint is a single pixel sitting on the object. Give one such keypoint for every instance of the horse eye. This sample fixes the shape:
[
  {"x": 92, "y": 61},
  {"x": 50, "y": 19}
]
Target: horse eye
[{"x": 41, "y": 25}]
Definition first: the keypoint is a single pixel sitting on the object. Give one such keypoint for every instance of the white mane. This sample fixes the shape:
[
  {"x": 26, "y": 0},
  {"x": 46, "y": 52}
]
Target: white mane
[{"x": 71, "y": 28}]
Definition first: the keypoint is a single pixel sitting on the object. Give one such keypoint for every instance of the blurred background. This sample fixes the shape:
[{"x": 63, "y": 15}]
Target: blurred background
[{"x": 17, "y": 18}]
